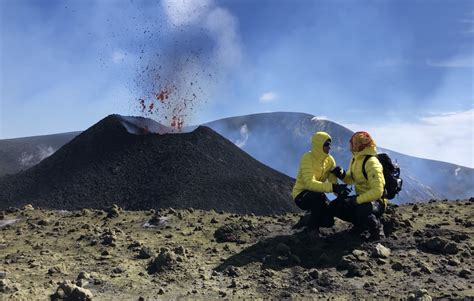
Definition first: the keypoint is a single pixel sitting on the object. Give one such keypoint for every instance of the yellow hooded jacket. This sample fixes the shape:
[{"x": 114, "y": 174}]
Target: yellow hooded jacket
[
  {"x": 372, "y": 188},
  {"x": 315, "y": 168}
]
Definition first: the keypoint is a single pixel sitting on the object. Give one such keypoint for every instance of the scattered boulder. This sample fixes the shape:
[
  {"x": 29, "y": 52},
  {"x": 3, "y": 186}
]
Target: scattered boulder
[
  {"x": 325, "y": 280},
  {"x": 453, "y": 262},
  {"x": 157, "y": 220},
  {"x": 7, "y": 287},
  {"x": 108, "y": 238},
  {"x": 419, "y": 295},
  {"x": 180, "y": 250},
  {"x": 113, "y": 211},
  {"x": 83, "y": 279},
  {"x": 314, "y": 273},
  {"x": 71, "y": 292},
  {"x": 397, "y": 266},
  {"x": 425, "y": 268},
  {"x": 135, "y": 245},
  {"x": 28, "y": 207},
  {"x": 440, "y": 245},
  {"x": 166, "y": 260},
  {"x": 12, "y": 209},
  {"x": 145, "y": 253},
  {"x": 380, "y": 251},
  {"x": 282, "y": 249},
  {"x": 43, "y": 222},
  {"x": 232, "y": 271},
  {"x": 118, "y": 270},
  {"x": 54, "y": 270},
  {"x": 360, "y": 255},
  {"x": 345, "y": 262},
  {"x": 464, "y": 273}
]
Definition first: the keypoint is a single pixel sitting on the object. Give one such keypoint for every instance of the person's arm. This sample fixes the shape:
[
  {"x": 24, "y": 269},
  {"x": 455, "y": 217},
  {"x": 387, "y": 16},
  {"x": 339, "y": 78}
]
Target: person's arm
[
  {"x": 376, "y": 181},
  {"x": 308, "y": 178},
  {"x": 348, "y": 178},
  {"x": 332, "y": 178}
]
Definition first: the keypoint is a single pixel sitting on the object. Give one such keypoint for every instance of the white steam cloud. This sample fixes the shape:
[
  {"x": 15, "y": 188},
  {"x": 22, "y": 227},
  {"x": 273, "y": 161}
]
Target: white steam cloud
[
  {"x": 28, "y": 159},
  {"x": 456, "y": 171},
  {"x": 244, "y": 136},
  {"x": 218, "y": 22},
  {"x": 44, "y": 152}
]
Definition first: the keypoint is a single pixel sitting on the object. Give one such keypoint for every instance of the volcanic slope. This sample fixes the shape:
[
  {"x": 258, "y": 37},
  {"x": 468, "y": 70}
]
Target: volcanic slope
[{"x": 108, "y": 164}]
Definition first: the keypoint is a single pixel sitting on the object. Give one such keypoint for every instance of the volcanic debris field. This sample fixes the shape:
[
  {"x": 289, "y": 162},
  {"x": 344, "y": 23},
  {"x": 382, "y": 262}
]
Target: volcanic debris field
[{"x": 115, "y": 254}]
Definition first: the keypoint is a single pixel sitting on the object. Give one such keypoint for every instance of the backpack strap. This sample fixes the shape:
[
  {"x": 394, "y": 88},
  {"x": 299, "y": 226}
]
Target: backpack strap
[
  {"x": 363, "y": 165},
  {"x": 352, "y": 173}
]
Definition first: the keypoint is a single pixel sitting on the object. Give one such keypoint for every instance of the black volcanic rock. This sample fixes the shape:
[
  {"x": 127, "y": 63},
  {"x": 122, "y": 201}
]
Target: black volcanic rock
[{"x": 108, "y": 165}]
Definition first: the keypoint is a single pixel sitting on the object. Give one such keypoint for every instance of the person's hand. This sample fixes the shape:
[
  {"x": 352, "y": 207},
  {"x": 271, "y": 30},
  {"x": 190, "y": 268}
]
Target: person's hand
[
  {"x": 341, "y": 189},
  {"x": 350, "y": 201},
  {"x": 339, "y": 172}
]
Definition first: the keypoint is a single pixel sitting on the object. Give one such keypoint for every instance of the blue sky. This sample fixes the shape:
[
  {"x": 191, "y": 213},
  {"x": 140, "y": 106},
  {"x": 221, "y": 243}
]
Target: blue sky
[{"x": 400, "y": 69}]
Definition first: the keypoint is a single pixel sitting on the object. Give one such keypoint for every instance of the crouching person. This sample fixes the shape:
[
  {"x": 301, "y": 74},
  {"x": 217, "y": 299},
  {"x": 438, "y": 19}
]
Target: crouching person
[
  {"x": 313, "y": 181},
  {"x": 365, "y": 208}
]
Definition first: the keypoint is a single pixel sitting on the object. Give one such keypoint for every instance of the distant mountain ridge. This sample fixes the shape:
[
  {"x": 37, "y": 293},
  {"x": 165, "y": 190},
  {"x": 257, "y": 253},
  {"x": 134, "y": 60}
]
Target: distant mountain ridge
[
  {"x": 22, "y": 153},
  {"x": 279, "y": 139}
]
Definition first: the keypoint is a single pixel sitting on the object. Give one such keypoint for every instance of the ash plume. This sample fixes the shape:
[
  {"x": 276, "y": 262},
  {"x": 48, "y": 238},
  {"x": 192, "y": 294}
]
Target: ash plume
[{"x": 198, "y": 43}]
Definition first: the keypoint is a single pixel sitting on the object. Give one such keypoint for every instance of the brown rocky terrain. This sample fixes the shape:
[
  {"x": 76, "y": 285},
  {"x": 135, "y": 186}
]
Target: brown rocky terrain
[{"x": 167, "y": 254}]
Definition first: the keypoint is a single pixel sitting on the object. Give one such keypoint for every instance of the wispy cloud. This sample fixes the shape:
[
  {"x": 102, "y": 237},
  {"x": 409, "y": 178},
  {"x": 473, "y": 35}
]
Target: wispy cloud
[
  {"x": 268, "y": 97},
  {"x": 446, "y": 137},
  {"x": 455, "y": 62},
  {"x": 391, "y": 62},
  {"x": 470, "y": 25}
]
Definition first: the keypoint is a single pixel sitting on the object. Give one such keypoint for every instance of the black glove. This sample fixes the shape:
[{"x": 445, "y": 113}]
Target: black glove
[
  {"x": 341, "y": 189},
  {"x": 339, "y": 172},
  {"x": 351, "y": 201}
]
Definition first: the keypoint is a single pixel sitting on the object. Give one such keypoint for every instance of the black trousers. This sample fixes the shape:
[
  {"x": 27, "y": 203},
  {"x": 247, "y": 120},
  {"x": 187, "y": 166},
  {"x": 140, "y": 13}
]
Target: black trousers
[
  {"x": 318, "y": 204},
  {"x": 362, "y": 216}
]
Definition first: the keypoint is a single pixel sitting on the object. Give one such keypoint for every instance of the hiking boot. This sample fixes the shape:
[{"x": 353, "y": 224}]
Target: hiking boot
[
  {"x": 303, "y": 222},
  {"x": 375, "y": 228},
  {"x": 314, "y": 234},
  {"x": 355, "y": 230},
  {"x": 327, "y": 221}
]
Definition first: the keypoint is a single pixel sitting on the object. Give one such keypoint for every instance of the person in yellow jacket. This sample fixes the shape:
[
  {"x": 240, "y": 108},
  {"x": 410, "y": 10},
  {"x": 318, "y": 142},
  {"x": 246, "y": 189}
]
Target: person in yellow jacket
[
  {"x": 313, "y": 180},
  {"x": 365, "y": 208}
]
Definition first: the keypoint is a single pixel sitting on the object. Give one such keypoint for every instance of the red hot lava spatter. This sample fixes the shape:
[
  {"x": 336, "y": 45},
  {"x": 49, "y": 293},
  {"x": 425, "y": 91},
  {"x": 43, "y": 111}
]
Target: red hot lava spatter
[
  {"x": 162, "y": 95},
  {"x": 176, "y": 107},
  {"x": 177, "y": 122}
]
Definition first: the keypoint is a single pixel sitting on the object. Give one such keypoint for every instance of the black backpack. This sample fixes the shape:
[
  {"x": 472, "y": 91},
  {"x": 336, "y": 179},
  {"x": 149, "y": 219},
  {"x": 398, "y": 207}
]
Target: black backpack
[{"x": 391, "y": 173}]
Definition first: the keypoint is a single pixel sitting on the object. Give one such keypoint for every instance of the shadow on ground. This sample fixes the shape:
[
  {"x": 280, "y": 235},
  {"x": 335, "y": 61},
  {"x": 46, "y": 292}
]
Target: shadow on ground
[{"x": 298, "y": 249}]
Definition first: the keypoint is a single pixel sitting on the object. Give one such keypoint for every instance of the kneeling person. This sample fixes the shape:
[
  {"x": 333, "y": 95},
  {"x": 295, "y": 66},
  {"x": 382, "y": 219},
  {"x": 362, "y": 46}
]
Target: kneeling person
[
  {"x": 366, "y": 173},
  {"x": 313, "y": 180}
]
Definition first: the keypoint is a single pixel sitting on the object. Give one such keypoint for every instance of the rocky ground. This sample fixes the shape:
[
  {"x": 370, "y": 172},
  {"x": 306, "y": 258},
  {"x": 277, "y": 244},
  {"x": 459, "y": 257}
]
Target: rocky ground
[{"x": 116, "y": 254}]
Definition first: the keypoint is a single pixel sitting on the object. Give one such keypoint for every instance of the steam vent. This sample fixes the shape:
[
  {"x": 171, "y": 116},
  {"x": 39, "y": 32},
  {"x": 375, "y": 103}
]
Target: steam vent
[{"x": 136, "y": 164}]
